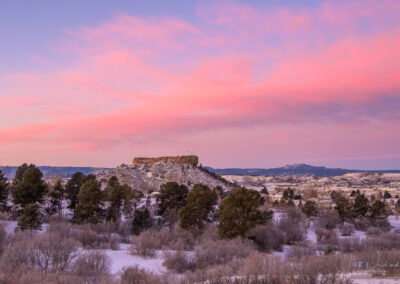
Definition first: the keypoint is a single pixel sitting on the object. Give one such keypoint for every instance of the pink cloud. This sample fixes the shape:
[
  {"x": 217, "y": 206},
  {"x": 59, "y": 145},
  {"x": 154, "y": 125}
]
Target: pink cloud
[{"x": 134, "y": 78}]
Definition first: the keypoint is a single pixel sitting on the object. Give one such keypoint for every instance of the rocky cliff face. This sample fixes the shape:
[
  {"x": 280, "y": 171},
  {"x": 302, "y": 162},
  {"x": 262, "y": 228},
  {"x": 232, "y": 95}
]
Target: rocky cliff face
[
  {"x": 184, "y": 160},
  {"x": 145, "y": 175}
]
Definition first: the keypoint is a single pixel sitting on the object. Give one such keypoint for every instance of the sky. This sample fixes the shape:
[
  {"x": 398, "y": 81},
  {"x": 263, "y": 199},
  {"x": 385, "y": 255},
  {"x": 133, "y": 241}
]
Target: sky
[{"x": 238, "y": 83}]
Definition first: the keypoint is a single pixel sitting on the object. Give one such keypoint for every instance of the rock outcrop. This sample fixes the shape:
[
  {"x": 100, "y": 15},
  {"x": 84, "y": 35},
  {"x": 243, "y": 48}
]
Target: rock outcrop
[
  {"x": 147, "y": 174},
  {"x": 184, "y": 160}
]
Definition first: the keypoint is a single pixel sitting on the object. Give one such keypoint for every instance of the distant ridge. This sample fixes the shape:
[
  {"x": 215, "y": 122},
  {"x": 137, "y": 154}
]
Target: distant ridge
[
  {"x": 49, "y": 171},
  {"x": 288, "y": 170},
  {"x": 295, "y": 169}
]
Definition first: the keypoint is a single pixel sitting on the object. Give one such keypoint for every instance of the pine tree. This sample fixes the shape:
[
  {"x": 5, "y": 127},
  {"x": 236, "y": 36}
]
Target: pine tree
[
  {"x": 199, "y": 207},
  {"x": 56, "y": 196},
  {"x": 28, "y": 186},
  {"x": 387, "y": 195},
  {"x": 4, "y": 190},
  {"x": 360, "y": 206},
  {"x": 141, "y": 221},
  {"x": 378, "y": 210},
  {"x": 30, "y": 218},
  {"x": 172, "y": 197},
  {"x": 90, "y": 202},
  {"x": 288, "y": 193},
  {"x": 343, "y": 207},
  {"x": 117, "y": 195},
  {"x": 239, "y": 212},
  {"x": 72, "y": 189},
  {"x": 310, "y": 208}
]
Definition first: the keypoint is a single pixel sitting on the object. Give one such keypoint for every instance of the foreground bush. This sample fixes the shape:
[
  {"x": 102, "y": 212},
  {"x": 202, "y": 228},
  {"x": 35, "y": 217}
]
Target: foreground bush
[
  {"x": 148, "y": 242},
  {"x": 268, "y": 238},
  {"x": 137, "y": 275},
  {"x": 92, "y": 266}
]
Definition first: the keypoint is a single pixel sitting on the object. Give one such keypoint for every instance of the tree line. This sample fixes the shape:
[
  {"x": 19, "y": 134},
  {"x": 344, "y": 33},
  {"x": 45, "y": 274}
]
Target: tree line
[{"x": 86, "y": 202}]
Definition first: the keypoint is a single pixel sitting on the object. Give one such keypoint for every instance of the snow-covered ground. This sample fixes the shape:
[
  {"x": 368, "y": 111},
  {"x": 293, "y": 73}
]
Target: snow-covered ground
[
  {"x": 11, "y": 225},
  {"x": 122, "y": 258},
  {"x": 395, "y": 222},
  {"x": 363, "y": 277}
]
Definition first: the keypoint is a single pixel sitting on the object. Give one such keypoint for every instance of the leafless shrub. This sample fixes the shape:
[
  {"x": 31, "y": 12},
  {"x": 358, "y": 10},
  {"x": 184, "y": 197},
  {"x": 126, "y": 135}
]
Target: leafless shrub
[
  {"x": 221, "y": 252},
  {"x": 146, "y": 244},
  {"x": 386, "y": 241},
  {"x": 20, "y": 254},
  {"x": 53, "y": 252},
  {"x": 383, "y": 224},
  {"x": 351, "y": 244},
  {"x": 300, "y": 251},
  {"x": 328, "y": 220},
  {"x": 326, "y": 237},
  {"x": 178, "y": 261},
  {"x": 4, "y": 216},
  {"x": 45, "y": 252},
  {"x": 323, "y": 269},
  {"x": 5, "y": 238},
  {"x": 92, "y": 266},
  {"x": 137, "y": 275},
  {"x": 293, "y": 225},
  {"x": 268, "y": 238},
  {"x": 269, "y": 268},
  {"x": 125, "y": 231},
  {"x": 55, "y": 219},
  {"x": 379, "y": 263},
  {"x": 91, "y": 239},
  {"x": 87, "y": 236},
  {"x": 346, "y": 229},
  {"x": 374, "y": 231},
  {"x": 149, "y": 241},
  {"x": 362, "y": 223}
]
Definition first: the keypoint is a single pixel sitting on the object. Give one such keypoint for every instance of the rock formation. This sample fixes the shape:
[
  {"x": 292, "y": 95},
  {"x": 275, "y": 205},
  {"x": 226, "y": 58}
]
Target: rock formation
[
  {"x": 189, "y": 160},
  {"x": 147, "y": 174}
]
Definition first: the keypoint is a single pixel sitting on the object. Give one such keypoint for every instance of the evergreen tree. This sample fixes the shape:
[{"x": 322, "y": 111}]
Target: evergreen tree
[
  {"x": 141, "y": 221},
  {"x": 310, "y": 208},
  {"x": 360, "y": 206},
  {"x": 30, "y": 218},
  {"x": 264, "y": 191},
  {"x": 387, "y": 195},
  {"x": 288, "y": 194},
  {"x": 239, "y": 212},
  {"x": 297, "y": 197},
  {"x": 199, "y": 207},
  {"x": 290, "y": 202},
  {"x": 378, "y": 210},
  {"x": 56, "y": 196},
  {"x": 72, "y": 189},
  {"x": 90, "y": 202},
  {"x": 4, "y": 190},
  {"x": 116, "y": 194},
  {"x": 343, "y": 207},
  {"x": 172, "y": 197},
  {"x": 28, "y": 186}
]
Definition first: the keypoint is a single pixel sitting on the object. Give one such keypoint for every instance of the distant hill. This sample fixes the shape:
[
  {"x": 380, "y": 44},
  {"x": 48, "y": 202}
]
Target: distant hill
[
  {"x": 49, "y": 171},
  {"x": 295, "y": 169}
]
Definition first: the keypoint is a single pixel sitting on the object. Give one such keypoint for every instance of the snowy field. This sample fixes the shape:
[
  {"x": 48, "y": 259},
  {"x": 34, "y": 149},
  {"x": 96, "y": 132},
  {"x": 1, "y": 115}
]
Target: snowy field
[{"x": 122, "y": 258}]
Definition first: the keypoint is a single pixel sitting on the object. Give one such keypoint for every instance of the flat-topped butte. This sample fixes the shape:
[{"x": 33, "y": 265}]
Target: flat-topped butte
[{"x": 186, "y": 160}]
